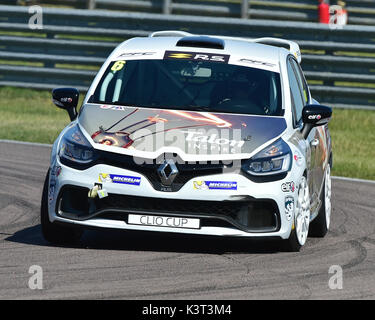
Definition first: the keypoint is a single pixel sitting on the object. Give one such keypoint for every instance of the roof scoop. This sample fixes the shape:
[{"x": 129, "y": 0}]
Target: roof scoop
[{"x": 201, "y": 42}]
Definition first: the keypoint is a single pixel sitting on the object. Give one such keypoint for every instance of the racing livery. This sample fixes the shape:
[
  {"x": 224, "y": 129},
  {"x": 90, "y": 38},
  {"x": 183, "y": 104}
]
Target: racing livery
[{"x": 204, "y": 135}]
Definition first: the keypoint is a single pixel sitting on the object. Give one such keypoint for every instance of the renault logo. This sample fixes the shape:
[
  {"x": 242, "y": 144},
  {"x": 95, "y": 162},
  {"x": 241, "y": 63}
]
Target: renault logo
[
  {"x": 167, "y": 172},
  {"x": 180, "y": 55}
]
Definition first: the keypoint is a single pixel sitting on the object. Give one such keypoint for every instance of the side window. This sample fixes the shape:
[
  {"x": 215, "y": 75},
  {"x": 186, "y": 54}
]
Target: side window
[
  {"x": 301, "y": 81},
  {"x": 295, "y": 91}
]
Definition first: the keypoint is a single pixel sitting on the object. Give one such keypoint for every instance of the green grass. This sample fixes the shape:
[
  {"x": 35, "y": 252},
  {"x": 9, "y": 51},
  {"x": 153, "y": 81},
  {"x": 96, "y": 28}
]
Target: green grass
[
  {"x": 29, "y": 115},
  {"x": 353, "y": 138}
]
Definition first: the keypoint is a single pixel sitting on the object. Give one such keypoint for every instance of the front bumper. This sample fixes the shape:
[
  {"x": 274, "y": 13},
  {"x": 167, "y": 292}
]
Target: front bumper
[{"x": 252, "y": 209}]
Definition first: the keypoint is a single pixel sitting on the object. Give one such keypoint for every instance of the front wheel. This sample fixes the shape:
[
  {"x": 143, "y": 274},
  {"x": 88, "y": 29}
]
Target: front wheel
[
  {"x": 51, "y": 232},
  {"x": 300, "y": 228},
  {"x": 320, "y": 225}
]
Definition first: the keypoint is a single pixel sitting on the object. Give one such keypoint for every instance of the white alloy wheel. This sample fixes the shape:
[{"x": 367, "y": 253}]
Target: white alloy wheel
[
  {"x": 327, "y": 195},
  {"x": 302, "y": 213}
]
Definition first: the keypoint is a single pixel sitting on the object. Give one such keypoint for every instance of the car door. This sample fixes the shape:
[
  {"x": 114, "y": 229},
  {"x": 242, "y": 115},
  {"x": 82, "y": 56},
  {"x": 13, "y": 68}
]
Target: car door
[
  {"x": 319, "y": 141},
  {"x": 300, "y": 97}
]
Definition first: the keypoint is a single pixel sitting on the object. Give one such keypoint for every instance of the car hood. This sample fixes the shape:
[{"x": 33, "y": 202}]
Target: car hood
[{"x": 150, "y": 132}]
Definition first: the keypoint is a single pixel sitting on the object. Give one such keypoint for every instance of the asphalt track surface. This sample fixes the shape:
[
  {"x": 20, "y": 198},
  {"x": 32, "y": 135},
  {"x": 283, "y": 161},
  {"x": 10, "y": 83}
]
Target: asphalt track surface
[{"x": 122, "y": 265}]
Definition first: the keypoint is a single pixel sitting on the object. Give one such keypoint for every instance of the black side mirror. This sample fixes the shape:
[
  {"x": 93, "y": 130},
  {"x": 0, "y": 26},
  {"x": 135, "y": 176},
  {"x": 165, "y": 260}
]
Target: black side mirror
[
  {"x": 66, "y": 98},
  {"x": 314, "y": 115}
]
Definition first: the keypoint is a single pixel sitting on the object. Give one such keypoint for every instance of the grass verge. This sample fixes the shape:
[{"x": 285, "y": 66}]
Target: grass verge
[{"x": 29, "y": 115}]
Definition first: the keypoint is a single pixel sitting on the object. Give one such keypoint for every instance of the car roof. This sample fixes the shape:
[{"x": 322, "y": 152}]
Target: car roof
[{"x": 263, "y": 52}]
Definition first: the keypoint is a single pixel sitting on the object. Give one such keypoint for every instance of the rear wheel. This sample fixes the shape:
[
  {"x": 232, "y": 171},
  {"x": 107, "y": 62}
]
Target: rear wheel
[
  {"x": 51, "y": 232},
  {"x": 300, "y": 229},
  {"x": 320, "y": 225}
]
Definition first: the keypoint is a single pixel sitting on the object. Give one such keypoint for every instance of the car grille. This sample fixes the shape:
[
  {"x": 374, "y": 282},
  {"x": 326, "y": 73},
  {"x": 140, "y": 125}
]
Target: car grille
[
  {"x": 186, "y": 171},
  {"x": 157, "y": 205}
]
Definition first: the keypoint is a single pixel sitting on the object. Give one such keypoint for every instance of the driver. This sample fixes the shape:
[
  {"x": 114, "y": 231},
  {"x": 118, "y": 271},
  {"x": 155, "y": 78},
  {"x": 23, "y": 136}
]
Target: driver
[{"x": 241, "y": 92}]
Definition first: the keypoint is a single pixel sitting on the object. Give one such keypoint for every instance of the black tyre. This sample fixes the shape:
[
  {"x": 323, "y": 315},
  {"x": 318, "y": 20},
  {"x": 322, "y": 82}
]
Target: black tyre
[
  {"x": 55, "y": 233},
  {"x": 292, "y": 244}
]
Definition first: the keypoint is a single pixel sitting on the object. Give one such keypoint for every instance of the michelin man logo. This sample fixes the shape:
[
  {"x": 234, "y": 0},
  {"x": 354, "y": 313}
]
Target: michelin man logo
[
  {"x": 200, "y": 185},
  {"x": 104, "y": 177}
]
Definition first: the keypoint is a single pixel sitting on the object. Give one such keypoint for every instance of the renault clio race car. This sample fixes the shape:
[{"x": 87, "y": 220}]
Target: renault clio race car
[{"x": 203, "y": 135}]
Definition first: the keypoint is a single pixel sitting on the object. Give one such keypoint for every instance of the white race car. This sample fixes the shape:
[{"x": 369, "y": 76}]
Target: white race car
[{"x": 203, "y": 135}]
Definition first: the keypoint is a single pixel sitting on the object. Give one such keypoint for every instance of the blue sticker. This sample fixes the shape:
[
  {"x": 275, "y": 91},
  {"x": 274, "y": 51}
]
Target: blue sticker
[
  {"x": 136, "y": 181},
  {"x": 215, "y": 185},
  {"x": 116, "y": 178}
]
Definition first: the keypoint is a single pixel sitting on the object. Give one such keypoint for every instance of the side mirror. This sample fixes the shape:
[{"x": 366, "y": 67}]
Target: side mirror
[
  {"x": 314, "y": 115},
  {"x": 66, "y": 98}
]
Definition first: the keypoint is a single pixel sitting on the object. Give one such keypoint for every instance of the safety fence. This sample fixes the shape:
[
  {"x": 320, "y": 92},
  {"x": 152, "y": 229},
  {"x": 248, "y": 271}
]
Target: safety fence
[
  {"x": 360, "y": 11},
  {"x": 339, "y": 64}
]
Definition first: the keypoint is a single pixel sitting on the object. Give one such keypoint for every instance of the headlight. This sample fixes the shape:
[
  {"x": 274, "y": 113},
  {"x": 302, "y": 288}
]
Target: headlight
[
  {"x": 274, "y": 159},
  {"x": 74, "y": 148}
]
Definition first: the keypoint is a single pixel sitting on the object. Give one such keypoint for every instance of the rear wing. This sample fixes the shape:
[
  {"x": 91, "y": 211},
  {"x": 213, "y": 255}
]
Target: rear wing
[{"x": 292, "y": 46}]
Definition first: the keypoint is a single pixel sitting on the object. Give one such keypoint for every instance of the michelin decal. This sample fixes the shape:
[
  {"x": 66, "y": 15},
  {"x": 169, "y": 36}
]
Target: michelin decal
[
  {"x": 215, "y": 185},
  {"x": 115, "y": 178}
]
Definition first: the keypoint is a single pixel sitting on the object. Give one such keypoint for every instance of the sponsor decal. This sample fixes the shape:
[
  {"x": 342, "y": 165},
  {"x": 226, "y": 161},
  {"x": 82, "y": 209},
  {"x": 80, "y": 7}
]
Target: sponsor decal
[
  {"x": 52, "y": 188},
  {"x": 197, "y": 136},
  {"x": 51, "y": 193},
  {"x": 259, "y": 63},
  {"x": 215, "y": 185},
  {"x": 56, "y": 171},
  {"x": 196, "y": 56},
  {"x": 297, "y": 156},
  {"x": 126, "y": 179},
  {"x": 67, "y": 99},
  {"x": 297, "y": 54},
  {"x": 289, "y": 207},
  {"x": 116, "y": 108},
  {"x": 136, "y": 54},
  {"x": 115, "y": 178},
  {"x": 288, "y": 187},
  {"x": 315, "y": 117}
]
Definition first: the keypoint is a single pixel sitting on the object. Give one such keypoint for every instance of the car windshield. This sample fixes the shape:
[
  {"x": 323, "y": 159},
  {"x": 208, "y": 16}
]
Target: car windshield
[{"x": 190, "y": 85}]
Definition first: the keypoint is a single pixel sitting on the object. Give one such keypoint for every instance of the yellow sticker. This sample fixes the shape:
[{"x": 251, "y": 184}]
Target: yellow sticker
[
  {"x": 104, "y": 177},
  {"x": 304, "y": 91},
  {"x": 118, "y": 65}
]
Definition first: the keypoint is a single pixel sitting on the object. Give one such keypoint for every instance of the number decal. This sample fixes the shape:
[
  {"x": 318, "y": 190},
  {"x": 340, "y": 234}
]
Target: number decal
[{"x": 118, "y": 65}]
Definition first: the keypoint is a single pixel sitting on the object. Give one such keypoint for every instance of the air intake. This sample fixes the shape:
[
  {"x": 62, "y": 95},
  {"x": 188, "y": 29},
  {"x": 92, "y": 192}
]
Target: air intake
[{"x": 201, "y": 42}]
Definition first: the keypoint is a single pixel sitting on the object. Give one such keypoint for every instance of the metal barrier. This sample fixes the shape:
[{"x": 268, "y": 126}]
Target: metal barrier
[
  {"x": 339, "y": 64},
  {"x": 360, "y": 11}
]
